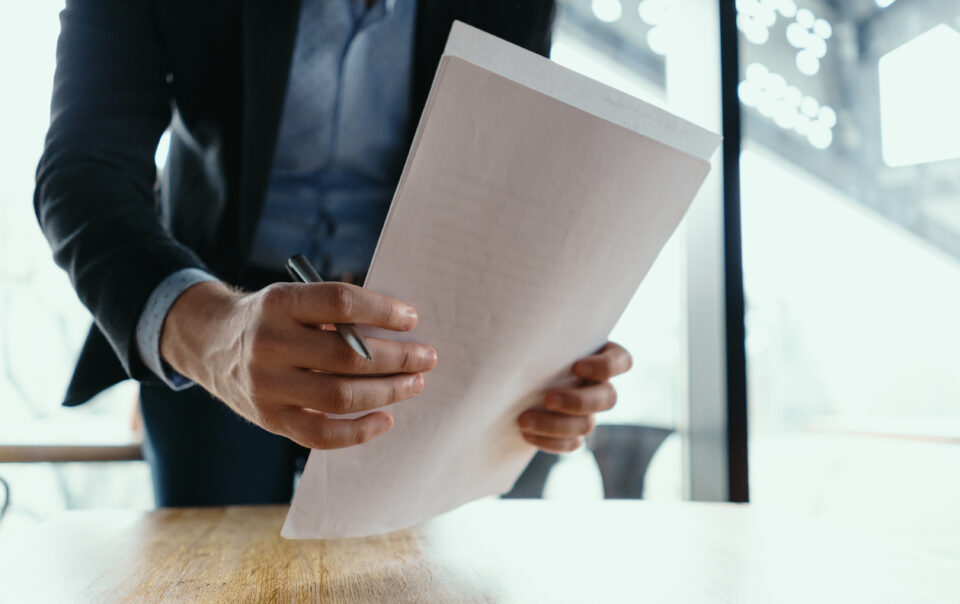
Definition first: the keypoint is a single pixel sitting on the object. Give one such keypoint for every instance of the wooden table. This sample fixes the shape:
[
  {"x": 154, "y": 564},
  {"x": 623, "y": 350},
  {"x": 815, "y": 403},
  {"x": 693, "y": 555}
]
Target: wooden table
[
  {"x": 87, "y": 439},
  {"x": 490, "y": 551}
]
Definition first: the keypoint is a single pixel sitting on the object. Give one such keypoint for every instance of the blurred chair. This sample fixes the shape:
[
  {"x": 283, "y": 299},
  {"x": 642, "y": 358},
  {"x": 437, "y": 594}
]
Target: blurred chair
[
  {"x": 6, "y": 498},
  {"x": 623, "y": 453},
  {"x": 41, "y": 442}
]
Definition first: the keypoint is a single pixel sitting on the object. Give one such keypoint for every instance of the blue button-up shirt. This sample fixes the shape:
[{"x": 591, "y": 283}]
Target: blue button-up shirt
[{"x": 340, "y": 150}]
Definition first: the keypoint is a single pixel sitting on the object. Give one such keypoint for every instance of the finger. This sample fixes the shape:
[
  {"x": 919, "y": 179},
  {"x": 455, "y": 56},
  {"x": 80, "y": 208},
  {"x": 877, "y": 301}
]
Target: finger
[
  {"x": 314, "y": 303},
  {"x": 311, "y": 348},
  {"x": 555, "y": 425},
  {"x": 318, "y": 431},
  {"x": 612, "y": 360},
  {"x": 334, "y": 393},
  {"x": 592, "y": 398},
  {"x": 554, "y": 445}
]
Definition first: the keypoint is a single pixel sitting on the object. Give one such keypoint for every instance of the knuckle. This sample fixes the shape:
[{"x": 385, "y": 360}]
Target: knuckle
[
  {"x": 391, "y": 314},
  {"x": 259, "y": 387},
  {"x": 576, "y": 403},
  {"x": 346, "y": 359},
  {"x": 406, "y": 359},
  {"x": 611, "y": 395},
  {"x": 320, "y": 440},
  {"x": 263, "y": 416},
  {"x": 262, "y": 345},
  {"x": 276, "y": 296},
  {"x": 363, "y": 434},
  {"x": 341, "y": 299},
  {"x": 398, "y": 391},
  {"x": 269, "y": 418},
  {"x": 608, "y": 368},
  {"x": 341, "y": 397}
]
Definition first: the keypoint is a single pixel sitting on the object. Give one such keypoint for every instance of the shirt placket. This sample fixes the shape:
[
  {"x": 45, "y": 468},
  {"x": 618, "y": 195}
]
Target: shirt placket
[{"x": 323, "y": 226}]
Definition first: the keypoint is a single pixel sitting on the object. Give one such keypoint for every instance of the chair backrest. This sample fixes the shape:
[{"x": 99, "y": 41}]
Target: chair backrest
[
  {"x": 6, "y": 498},
  {"x": 623, "y": 453}
]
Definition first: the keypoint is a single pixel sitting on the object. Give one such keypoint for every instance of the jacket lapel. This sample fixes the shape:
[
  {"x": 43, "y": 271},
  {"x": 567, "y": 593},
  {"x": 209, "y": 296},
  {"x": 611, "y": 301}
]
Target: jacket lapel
[
  {"x": 434, "y": 18},
  {"x": 269, "y": 30}
]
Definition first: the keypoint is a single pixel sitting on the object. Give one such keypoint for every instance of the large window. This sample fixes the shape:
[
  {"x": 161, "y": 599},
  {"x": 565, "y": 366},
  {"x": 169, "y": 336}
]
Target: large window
[
  {"x": 42, "y": 324},
  {"x": 851, "y": 235},
  {"x": 629, "y": 45}
]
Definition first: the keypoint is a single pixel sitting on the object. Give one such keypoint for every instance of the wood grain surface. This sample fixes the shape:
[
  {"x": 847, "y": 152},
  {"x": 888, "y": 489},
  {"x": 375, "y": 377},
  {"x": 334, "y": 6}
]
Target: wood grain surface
[
  {"x": 69, "y": 453},
  {"x": 490, "y": 551}
]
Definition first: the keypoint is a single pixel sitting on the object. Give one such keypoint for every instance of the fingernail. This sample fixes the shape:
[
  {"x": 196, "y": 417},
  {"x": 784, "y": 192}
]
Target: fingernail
[
  {"x": 417, "y": 384},
  {"x": 430, "y": 356},
  {"x": 409, "y": 315}
]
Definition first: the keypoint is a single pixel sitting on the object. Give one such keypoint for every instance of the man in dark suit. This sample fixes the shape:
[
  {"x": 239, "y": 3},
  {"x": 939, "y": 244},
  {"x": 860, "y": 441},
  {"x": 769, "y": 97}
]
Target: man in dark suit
[{"x": 289, "y": 122}]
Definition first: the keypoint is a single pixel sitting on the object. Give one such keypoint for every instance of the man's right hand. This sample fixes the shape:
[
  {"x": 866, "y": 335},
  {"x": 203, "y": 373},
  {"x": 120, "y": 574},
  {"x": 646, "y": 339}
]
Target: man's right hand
[{"x": 266, "y": 355}]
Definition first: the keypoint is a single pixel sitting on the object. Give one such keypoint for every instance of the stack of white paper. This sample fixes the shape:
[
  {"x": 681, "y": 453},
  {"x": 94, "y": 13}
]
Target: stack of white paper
[{"x": 533, "y": 202}]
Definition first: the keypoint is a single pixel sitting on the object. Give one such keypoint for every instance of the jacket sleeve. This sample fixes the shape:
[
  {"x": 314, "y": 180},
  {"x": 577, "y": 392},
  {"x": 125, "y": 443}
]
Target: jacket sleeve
[{"x": 94, "y": 194}]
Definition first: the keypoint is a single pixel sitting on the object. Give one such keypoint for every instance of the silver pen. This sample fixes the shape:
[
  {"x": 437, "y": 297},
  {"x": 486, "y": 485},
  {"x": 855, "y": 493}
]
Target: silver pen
[{"x": 300, "y": 269}]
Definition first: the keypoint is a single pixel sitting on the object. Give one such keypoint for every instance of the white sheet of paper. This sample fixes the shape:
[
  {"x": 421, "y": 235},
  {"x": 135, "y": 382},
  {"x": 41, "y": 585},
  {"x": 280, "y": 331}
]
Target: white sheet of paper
[{"x": 521, "y": 227}]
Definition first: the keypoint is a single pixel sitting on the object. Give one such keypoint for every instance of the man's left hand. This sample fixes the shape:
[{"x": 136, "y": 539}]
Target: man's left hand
[{"x": 567, "y": 414}]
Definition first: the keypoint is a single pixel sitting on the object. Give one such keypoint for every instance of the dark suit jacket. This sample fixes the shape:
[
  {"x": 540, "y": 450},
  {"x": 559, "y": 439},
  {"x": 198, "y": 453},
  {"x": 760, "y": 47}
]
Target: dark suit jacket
[{"x": 216, "y": 72}]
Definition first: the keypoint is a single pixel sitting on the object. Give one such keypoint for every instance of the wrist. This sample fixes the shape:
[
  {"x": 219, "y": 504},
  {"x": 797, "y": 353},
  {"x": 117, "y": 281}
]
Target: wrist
[{"x": 193, "y": 325}]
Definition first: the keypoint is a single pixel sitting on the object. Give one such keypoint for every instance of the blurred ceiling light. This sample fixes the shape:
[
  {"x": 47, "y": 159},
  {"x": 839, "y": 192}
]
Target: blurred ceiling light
[
  {"x": 885, "y": 3},
  {"x": 752, "y": 29},
  {"x": 807, "y": 63},
  {"x": 773, "y": 98},
  {"x": 785, "y": 115},
  {"x": 776, "y": 84},
  {"x": 819, "y": 136},
  {"x": 607, "y": 11},
  {"x": 816, "y": 46},
  {"x": 793, "y": 95},
  {"x": 809, "y": 34},
  {"x": 827, "y": 116},
  {"x": 822, "y": 28},
  {"x": 810, "y": 106},
  {"x": 788, "y": 8},
  {"x": 653, "y": 12},
  {"x": 749, "y": 93},
  {"x": 755, "y": 18},
  {"x": 796, "y": 35},
  {"x": 918, "y": 101},
  {"x": 756, "y": 71},
  {"x": 657, "y": 40}
]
